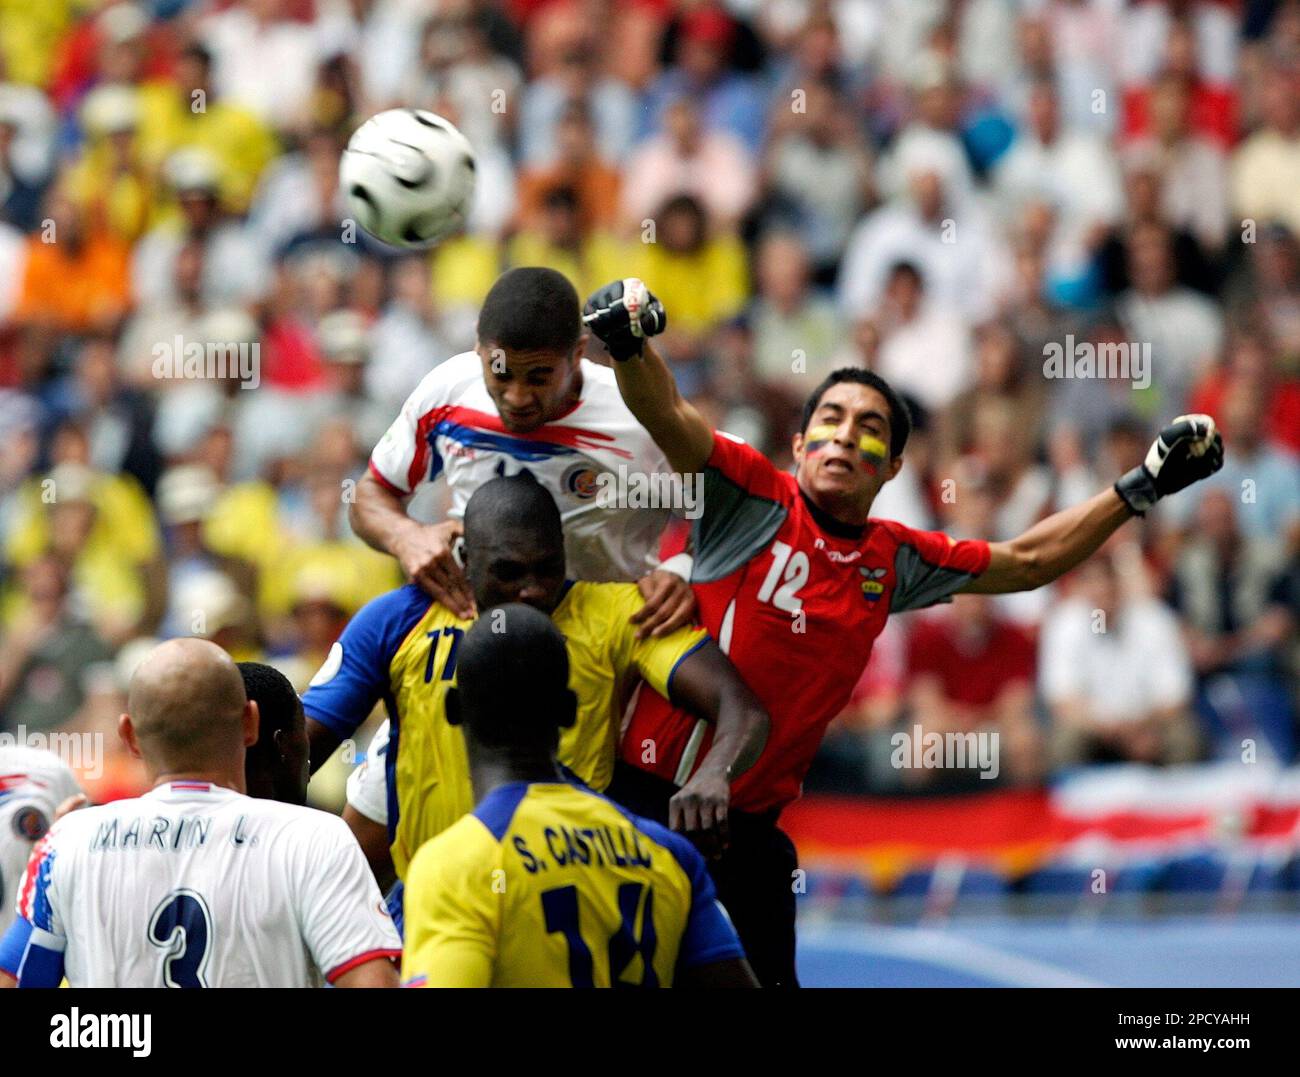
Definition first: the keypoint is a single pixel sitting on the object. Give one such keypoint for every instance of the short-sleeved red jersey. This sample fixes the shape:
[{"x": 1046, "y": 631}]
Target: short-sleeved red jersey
[{"x": 796, "y": 604}]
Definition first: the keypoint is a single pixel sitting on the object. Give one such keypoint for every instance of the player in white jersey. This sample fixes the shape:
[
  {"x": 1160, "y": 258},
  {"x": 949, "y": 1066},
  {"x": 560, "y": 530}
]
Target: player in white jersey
[
  {"x": 195, "y": 884},
  {"x": 33, "y": 783},
  {"x": 526, "y": 398}
]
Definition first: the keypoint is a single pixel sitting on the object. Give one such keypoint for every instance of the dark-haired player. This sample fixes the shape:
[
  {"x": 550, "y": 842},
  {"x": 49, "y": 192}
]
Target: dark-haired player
[
  {"x": 795, "y": 580},
  {"x": 275, "y": 768},
  {"x": 404, "y": 648},
  {"x": 195, "y": 883},
  {"x": 546, "y": 883},
  {"x": 524, "y": 398}
]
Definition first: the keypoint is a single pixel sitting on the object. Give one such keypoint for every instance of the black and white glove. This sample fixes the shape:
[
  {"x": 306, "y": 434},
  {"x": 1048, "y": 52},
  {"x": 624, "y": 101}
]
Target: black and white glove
[
  {"x": 623, "y": 314},
  {"x": 1187, "y": 450}
]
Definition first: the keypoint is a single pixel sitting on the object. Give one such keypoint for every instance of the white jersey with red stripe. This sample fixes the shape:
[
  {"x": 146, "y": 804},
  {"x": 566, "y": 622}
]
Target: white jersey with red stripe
[
  {"x": 33, "y": 783},
  {"x": 194, "y": 885},
  {"x": 450, "y": 426}
]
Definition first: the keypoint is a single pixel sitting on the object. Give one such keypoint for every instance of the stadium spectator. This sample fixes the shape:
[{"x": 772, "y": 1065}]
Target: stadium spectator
[
  {"x": 1084, "y": 43},
  {"x": 933, "y": 131},
  {"x": 1263, "y": 480},
  {"x": 577, "y": 164},
  {"x": 965, "y": 276},
  {"x": 102, "y": 526},
  {"x": 186, "y": 111},
  {"x": 409, "y": 337},
  {"x": 22, "y": 187},
  {"x": 1144, "y": 202},
  {"x": 112, "y": 182},
  {"x": 729, "y": 101},
  {"x": 574, "y": 86},
  {"x": 1071, "y": 170},
  {"x": 1193, "y": 44},
  {"x": 186, "y": 495},
  {"x": 971, "y": 671},
  {"x": 702, "y": 265},
  {"x": 558, "y": 239},
  {"x": 817, "y": 172},
  {"x": 1266, "y": 166},
  {"x": 1252, "y": 359},
  {"x": 233, "y": 269},
  {"x": 46, "y": 650},
  {"x": 116, "y": 418},
  {"x": 713, "y": 166},
  {"x": 1183, "y": 328},
  {"x": 1000, "y": 372},
  {"x": 924, "y": 347},
  {"x": 1223, "y": 587},
  {"x": 75, "y": 278},
  {"x": 1266, "y": 291},
  {"x": 1116, "y": 676},
  {"x": 458, "y": 65},
  {"x": 342, "y": 337},
  {"x": 1097, "y": 400},
  {"x": 297, "y": 198},
  {"x": 262, "y": 59},
  {"x": 796, "y": 331},
  {"x": 1195, "y": 196}
]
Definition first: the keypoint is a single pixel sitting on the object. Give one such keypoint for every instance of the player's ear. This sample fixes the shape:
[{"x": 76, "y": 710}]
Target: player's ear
[
  {"x": 568, "y": 708},
  {"x": 250, "y": 722},
  {"x": 126, "y": 730},
  {"x": 451, "y": 706},
  {"x": 580, "y": 349}
]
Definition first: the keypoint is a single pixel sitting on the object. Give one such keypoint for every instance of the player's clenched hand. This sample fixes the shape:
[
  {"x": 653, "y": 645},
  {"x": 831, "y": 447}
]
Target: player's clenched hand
[
  {"x": 623, "y": 314},
  {"x": 1187, "y": 450},
  {"x": 669, "y": 604},
  {"x": 426, "y": 556},
  {"x": 699, "y": 810}
]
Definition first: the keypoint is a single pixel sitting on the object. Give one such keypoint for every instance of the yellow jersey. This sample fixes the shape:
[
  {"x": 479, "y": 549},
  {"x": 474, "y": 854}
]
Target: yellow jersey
[
  {"x": 401, "y": 648},
  {"x": 549, "y": 884}
]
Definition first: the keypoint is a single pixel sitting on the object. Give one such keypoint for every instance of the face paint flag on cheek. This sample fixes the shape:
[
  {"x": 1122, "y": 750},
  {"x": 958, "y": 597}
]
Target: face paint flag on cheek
[
  {"x": 818, "y": 437},
  {"x": 873, "y": 452}
]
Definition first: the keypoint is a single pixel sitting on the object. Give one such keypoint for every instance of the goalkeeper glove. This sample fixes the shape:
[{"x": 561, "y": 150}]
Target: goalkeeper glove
[
  {"x": 623, "y": 314},
  {"x": 1187, "y": 450}
]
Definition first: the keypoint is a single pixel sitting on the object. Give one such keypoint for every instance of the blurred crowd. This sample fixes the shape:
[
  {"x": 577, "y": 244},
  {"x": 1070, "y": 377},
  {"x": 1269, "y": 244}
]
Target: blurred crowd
[{"x": 942, "y": 191}]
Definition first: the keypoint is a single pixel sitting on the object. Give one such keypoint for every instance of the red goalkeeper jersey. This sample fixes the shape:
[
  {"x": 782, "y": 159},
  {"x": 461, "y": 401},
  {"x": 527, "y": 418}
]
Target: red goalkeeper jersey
[{"x": 795, "y": 599}]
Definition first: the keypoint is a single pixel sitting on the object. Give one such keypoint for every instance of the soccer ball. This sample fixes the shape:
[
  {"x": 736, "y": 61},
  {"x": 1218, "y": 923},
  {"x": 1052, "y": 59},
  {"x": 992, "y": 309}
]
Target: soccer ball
[{"x": 408, "y": 176}]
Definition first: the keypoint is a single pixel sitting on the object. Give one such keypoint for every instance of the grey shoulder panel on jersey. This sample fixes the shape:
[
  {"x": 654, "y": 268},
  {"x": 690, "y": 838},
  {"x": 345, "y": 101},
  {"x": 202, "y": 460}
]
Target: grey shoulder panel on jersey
[
  {"x": 918, "y": 583},
  {"x": 734, "y": 525}
]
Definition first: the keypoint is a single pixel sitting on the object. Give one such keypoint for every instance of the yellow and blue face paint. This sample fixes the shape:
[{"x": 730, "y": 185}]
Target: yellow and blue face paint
[{"x": 872, "y": 450}]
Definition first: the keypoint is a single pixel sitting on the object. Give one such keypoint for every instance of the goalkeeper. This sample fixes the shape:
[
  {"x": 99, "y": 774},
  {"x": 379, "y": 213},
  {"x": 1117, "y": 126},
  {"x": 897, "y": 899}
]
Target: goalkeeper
[{"x": 795, "y": 580}]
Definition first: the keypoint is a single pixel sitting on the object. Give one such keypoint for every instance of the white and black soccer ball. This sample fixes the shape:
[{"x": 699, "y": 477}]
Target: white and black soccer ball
[{"x": 408, "y": 176}]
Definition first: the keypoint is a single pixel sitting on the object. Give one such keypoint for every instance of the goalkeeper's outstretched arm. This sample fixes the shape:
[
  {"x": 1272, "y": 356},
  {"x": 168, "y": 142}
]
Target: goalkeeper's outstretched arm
[
  {"x": 1052, "y": 546},
  {"x": 625, "y": 315},
  {"x": 650, "y": 391},
  {"x": 1187, "y": 450}
]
